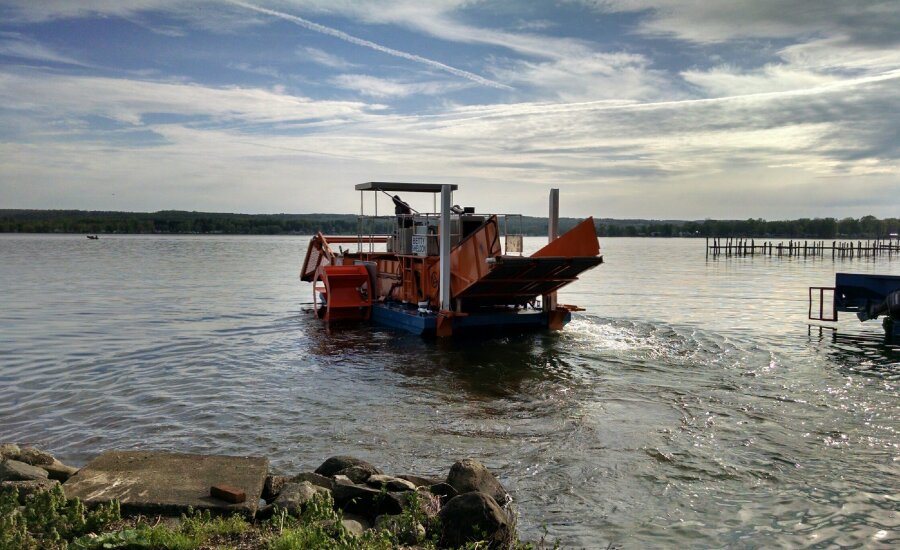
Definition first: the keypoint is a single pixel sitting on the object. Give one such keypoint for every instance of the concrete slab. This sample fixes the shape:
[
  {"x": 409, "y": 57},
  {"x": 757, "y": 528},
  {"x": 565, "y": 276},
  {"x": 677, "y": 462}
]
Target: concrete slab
[{"x": 150, "y": 482}]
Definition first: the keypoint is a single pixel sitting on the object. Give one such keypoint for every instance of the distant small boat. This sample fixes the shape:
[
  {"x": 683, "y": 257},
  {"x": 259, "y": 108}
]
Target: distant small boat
[{"x": 93, "y": 237}]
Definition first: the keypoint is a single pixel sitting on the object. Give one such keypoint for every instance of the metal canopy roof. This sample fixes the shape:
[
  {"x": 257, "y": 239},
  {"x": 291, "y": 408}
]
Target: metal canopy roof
[{"x": 406, "y": 187}]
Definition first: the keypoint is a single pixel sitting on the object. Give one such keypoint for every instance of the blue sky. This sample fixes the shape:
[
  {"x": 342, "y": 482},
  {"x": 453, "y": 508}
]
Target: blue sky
[{"x": 633, "y": 108}]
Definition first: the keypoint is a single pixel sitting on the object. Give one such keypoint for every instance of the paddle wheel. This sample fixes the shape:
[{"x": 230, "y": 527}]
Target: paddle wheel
[{"x": 342, "y": 292}]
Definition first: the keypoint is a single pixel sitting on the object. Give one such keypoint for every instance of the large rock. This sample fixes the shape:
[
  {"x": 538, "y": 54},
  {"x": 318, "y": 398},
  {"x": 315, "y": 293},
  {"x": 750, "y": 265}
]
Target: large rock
[
  {"x": 359, "y": 473},
  {"x": 28, "y": 488},
  {"x": 470, "y": 475},
  {"x": 294, "y": 496},
  {"x": 59, "y": 471},
  {"x": 35, "y": 457},
  {"x": 341, "y": 480},
  {"x": 13, "y": 470},
  {"x": 9, "y": 450},
  {"x": 335, "y": 464},
  {"x": 395, "y": 484},
  {"x": 366, "y": 501},
  {"x": 420, "y": 481},
  {"x": 472, "y": 517},
  {"x": 354, "y": 526},
  {"x": 272, "y": 486},
  {"x": 315, "y": 479}
]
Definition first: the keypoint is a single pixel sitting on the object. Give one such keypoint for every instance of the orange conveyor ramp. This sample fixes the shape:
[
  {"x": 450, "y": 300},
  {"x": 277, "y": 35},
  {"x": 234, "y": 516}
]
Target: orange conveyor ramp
[{"x": 516, "y": 279}]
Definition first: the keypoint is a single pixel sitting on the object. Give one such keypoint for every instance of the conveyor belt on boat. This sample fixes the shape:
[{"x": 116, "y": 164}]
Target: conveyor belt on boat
[{"x": 527, "y": 277}]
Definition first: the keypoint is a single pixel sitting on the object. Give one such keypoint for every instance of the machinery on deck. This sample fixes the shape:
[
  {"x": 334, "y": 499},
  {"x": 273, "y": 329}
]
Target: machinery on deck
[
  {"x": 447, "y": 271},
  {"x": 869, "y": 296}
]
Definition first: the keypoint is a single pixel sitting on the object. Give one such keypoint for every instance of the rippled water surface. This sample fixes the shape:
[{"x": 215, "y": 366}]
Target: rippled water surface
[{"x": 691, "y": 405}]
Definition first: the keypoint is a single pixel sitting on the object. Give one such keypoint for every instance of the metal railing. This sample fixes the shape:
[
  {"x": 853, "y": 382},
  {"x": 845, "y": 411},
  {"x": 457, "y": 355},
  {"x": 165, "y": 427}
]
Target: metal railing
[{"x": 821, "y": 295}]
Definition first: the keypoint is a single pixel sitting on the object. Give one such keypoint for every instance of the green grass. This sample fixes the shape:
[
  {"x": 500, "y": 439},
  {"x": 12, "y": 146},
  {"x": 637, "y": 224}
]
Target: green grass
[{"x": 50, "y": 521}]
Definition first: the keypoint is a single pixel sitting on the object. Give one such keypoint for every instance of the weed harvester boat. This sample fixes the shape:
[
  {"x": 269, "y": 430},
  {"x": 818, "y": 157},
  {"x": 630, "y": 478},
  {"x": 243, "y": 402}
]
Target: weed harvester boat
[{"x": 445, "y": 272}]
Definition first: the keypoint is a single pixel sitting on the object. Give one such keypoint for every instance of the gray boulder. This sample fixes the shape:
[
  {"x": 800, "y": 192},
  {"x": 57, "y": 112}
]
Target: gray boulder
[
  {"x": 341, "y": 480},
  {"x": 35, "y": 457},
  {"x": 59, "y": 471},
  {"x": 13, "y": 470},
  {"x": 420, "y": 481},
  {"x": 315, "y": 479},
  {"x": 273, "y": 486},
  {"x": 391, "y": 483},
  {"x": 335, "y": 464},
  {"x": 294, "y": 496},
  {"x": 353, "y": 526},
  {"x": 470, "y": 475},
  {"x": 472, "y": 517},
  {"x": 359, "y": 473}
]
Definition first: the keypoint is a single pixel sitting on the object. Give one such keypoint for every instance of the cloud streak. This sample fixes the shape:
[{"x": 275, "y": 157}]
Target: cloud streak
[
  {"x": 374, "y": 46},
  {"x": 22, "y": 47},
  {"x": 608, "y": 154}
]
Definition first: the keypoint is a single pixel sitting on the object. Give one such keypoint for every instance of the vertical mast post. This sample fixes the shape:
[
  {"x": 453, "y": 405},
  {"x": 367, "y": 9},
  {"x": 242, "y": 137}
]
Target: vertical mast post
[
  {"x": 446, "y": 200},
  {"x": 549, "y": 300}
]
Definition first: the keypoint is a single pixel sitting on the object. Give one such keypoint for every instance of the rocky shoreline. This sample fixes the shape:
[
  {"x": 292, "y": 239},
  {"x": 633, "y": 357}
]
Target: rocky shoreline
[{"x": 468, "y": 505}]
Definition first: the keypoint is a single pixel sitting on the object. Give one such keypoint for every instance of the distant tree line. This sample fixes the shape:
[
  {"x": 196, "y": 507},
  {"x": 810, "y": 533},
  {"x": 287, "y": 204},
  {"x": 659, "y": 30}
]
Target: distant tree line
[
  {"x": 176, "y": 221},
  {"x": 867, "y": 227}
]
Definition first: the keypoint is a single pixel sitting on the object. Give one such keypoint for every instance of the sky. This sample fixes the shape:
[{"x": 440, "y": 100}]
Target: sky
[{"x": 665, "y": 109}]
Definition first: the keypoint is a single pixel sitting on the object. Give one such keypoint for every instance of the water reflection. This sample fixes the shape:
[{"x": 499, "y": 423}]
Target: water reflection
[
  {"x": 865, "y": 354},
  {"x": 485, "y": 366}
]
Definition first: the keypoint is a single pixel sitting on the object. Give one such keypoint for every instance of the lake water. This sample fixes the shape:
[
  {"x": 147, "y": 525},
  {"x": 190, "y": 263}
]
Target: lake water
[{"x": 691, "y": 405}]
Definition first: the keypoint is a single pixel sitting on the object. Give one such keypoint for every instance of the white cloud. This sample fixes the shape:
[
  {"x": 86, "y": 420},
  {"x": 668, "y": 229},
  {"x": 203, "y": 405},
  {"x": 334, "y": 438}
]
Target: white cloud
[
  {"x": 128, "y": 101},
  {"x": 257, "y": 69},
  {"x": 872, "y": 21},
  {"x": 377, "y": 87},
  {"x": 588, "y": 77},
  {"x": 321, "y": 57},
  {"x": 731, "y": 81},
  {"x": 838, "y": 53}
]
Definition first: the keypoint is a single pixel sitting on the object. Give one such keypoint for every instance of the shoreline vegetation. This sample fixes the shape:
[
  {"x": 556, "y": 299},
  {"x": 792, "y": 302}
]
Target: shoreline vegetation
[
  {"x": 183, "y": 222},
  {"x": 346, "y": 503}
]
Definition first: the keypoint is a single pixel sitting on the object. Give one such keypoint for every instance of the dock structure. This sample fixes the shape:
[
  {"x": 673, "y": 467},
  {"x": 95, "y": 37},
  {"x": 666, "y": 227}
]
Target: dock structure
[{"x": 739, "y": 246}]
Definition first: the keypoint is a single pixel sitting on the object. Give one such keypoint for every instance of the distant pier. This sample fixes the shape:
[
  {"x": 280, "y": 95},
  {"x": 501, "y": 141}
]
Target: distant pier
[{"x": 731, "y": 246}]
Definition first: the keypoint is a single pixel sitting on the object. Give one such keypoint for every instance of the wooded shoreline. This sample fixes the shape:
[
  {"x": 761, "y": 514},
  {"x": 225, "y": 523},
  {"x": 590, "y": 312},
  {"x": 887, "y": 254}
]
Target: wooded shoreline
[{"x": 183, "y": 222}]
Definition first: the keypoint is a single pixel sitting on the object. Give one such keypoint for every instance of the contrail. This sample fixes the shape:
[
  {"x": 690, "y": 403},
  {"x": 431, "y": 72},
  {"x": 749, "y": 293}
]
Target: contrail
[{"x": 378, "y": 47}]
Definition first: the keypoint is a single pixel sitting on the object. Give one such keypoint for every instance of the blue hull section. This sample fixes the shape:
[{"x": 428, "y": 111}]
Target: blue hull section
[
  {"x": 855, "y": 291},
  {"x": 410, "y": 320},
  {"x": 866, "y": 294}
]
